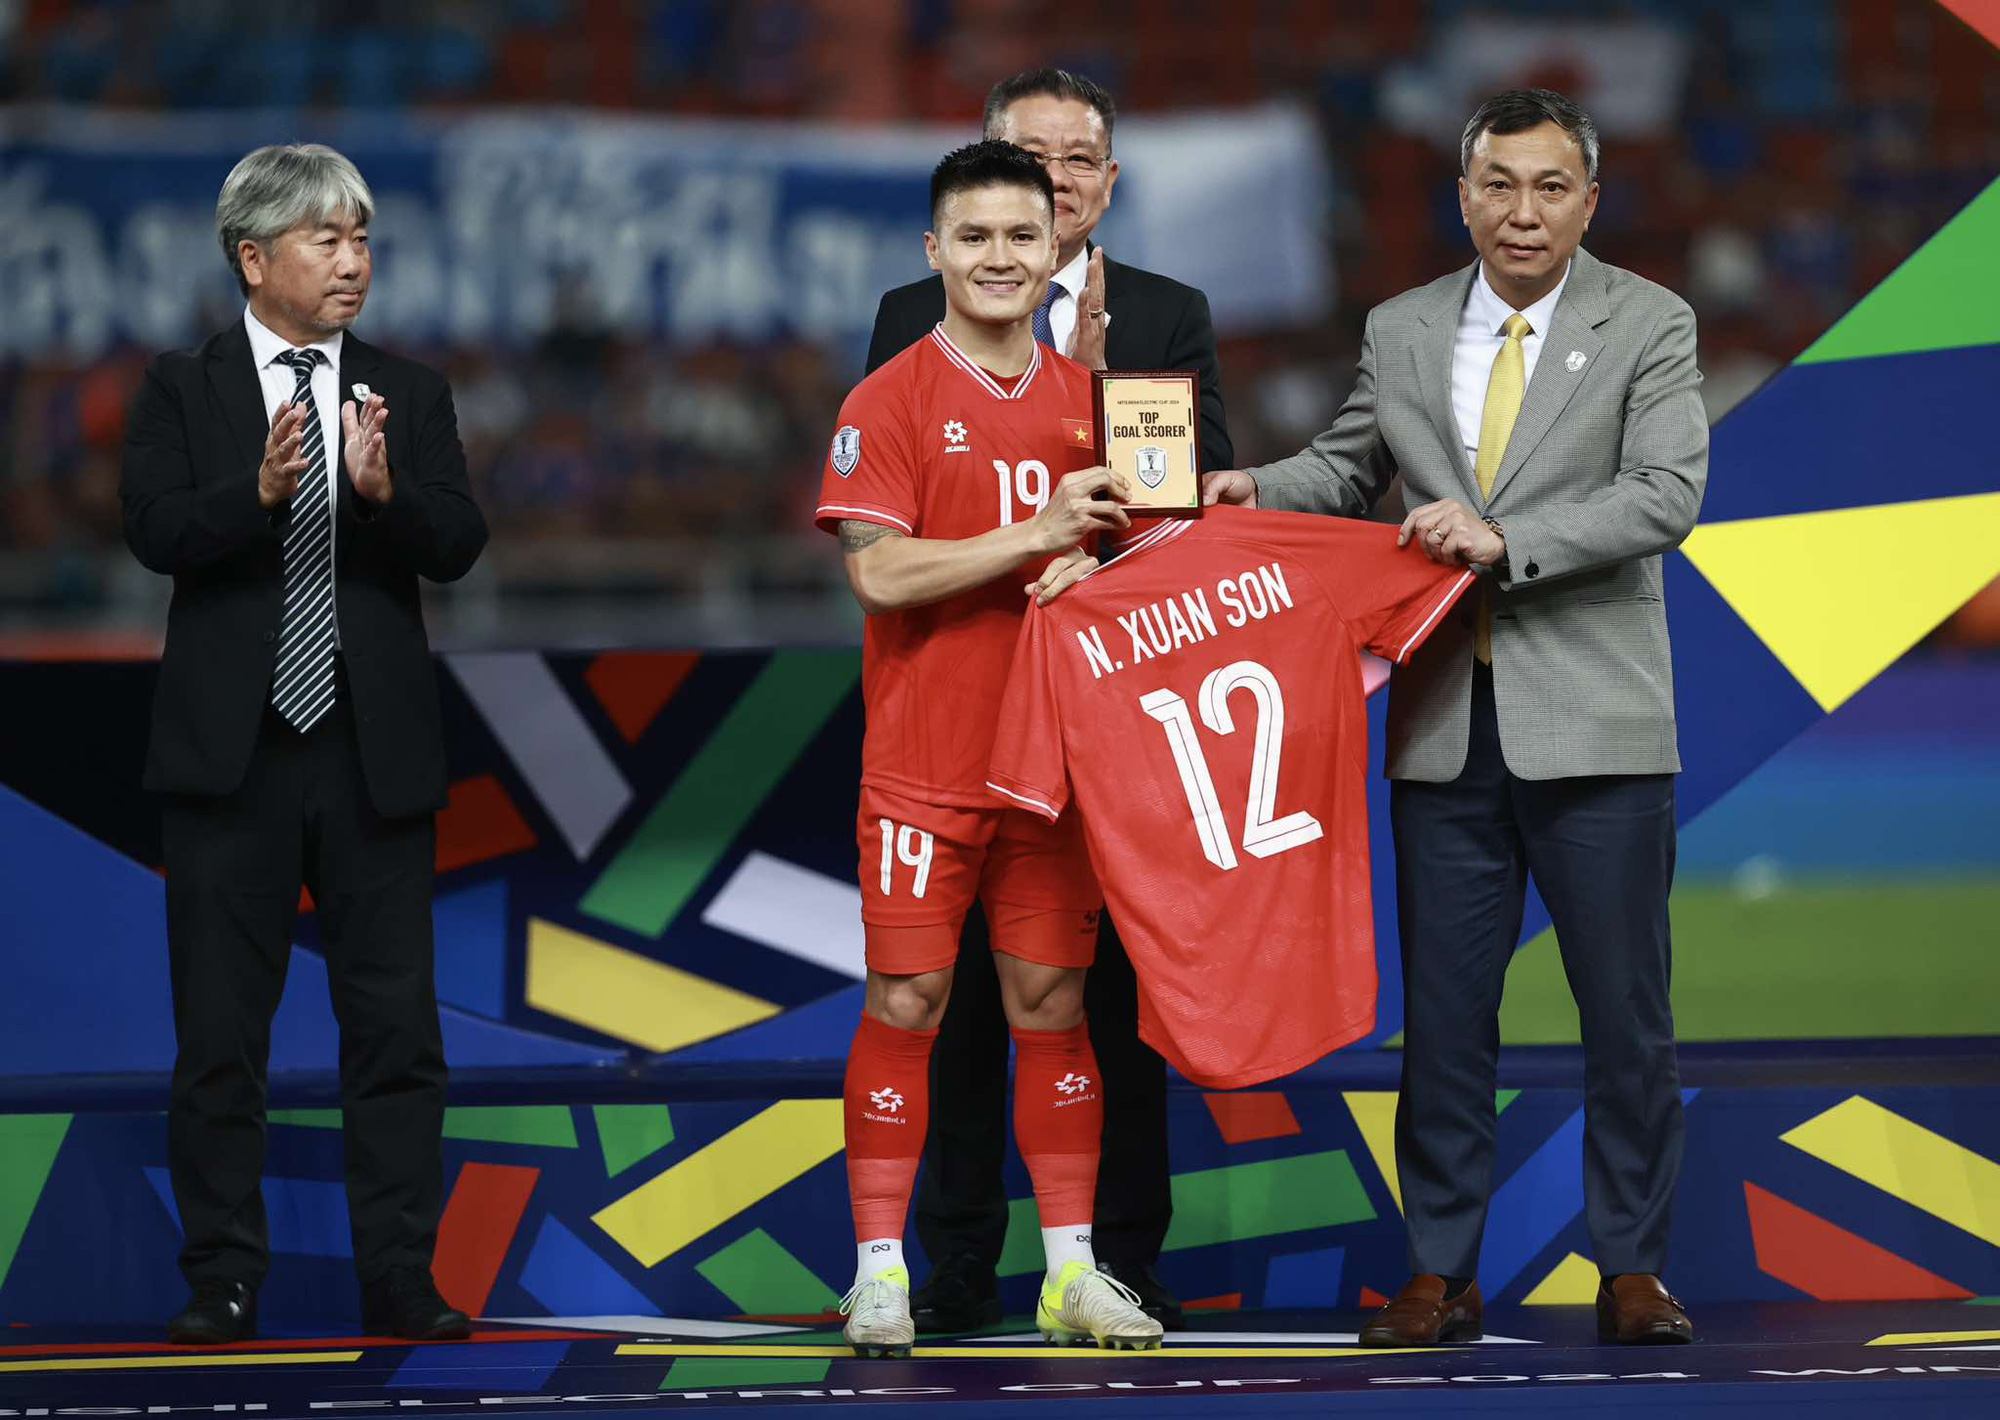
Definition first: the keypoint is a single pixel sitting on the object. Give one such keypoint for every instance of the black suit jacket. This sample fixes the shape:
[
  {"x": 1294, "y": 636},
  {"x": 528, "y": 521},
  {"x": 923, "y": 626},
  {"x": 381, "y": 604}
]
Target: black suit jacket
[
  {"x": 192, "y": 448},
  {"x": 1156, "y": 324}
]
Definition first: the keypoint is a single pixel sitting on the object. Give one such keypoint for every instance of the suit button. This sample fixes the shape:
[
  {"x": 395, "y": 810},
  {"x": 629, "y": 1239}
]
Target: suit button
[
  {"x": 269, "y": 637},
  {"x": 1533, "y": 570}
]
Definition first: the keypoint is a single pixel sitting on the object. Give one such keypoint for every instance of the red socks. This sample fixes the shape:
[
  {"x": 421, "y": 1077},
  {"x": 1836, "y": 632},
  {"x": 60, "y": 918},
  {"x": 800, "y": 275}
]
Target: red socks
[
  {"x": 1059, "y": 1120},
  {"x": 888, "y": 1098}
]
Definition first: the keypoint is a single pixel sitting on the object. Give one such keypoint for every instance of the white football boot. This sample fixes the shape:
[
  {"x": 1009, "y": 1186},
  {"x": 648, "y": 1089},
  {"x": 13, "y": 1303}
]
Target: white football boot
[
  {"x": 1085, "y": 1307},
  {"x": 878, "y": 1315}
]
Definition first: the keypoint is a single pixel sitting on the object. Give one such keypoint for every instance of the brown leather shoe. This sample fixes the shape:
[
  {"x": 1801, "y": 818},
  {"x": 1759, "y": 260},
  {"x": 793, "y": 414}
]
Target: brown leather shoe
[
  {"x": 1637, "y": 1309},
  {"x": 1420, "y": 1316}
]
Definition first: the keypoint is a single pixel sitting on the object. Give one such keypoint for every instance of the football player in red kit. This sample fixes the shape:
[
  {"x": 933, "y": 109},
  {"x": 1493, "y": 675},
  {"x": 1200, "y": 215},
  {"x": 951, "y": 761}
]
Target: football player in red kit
[{"x": 961, "y": 473}]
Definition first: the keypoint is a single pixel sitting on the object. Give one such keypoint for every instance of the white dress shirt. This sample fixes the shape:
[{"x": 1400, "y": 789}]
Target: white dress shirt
[
  {"x": 1479, "y": 340},
  {"x": 278, "y": 381},
  {"x": 1062, "y": 315}
]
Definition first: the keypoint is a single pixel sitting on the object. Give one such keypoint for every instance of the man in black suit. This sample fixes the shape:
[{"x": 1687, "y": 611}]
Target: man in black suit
[
  {"x": 1133, "y": 320},
  {"x": 295, "y": 730}
]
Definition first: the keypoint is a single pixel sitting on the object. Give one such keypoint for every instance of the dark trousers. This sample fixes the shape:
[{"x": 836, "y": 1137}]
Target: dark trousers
[
  {"x": 961, "y": 1201},
  {"x": 1601, "y": 850},
  {"x": 234, "y": 867}
]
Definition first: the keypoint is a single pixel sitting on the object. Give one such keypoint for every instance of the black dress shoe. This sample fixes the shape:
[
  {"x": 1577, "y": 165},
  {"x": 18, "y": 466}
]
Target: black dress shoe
[
  {"x": 217, "y": 1314},
  {"x": 1154, "y": 1298},
  {"x": 406, "y": 1303},
  {"x": 959, "y": 1295}
]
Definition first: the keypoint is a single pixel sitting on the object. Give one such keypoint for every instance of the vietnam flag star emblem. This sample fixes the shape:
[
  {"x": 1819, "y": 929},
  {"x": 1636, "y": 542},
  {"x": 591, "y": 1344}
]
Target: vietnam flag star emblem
[{"x": 1077, "y": 431}]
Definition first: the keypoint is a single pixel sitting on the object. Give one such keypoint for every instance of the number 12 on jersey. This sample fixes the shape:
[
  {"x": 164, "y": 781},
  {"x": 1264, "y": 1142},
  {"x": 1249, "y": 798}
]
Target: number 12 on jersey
[{"x": 1264, "y": 834}]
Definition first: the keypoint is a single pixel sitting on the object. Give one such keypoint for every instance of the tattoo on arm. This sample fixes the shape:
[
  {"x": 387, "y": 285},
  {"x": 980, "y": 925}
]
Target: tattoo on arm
[{"x": 855, "y": 534}]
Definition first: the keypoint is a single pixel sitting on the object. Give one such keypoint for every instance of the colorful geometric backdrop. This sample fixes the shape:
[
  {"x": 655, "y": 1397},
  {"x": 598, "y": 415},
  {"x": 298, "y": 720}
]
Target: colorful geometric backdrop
[{"x": 649, "y": 950}]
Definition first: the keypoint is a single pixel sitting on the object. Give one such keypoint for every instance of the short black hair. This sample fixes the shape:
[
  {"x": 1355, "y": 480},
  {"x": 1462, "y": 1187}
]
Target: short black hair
[
  {"x": 1055, "y": 84},
  {"x": 989, "y": 163},
  {"x": 1518, "y": 110}
]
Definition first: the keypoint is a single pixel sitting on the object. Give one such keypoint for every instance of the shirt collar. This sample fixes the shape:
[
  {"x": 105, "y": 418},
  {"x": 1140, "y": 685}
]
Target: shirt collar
[
  {"x": 1072, "y": 277},
  {"x": 1484, "y": 306},
  {"x": 266, "y": 345}
]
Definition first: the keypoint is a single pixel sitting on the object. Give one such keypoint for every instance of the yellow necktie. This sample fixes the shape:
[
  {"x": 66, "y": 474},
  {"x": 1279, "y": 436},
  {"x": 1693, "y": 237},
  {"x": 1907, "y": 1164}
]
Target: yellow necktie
[{"x": 1504, "y": 389}]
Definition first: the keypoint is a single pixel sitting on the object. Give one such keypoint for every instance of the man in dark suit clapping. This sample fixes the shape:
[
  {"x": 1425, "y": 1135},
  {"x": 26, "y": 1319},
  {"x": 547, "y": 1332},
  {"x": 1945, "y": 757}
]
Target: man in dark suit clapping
[
  {"x": 295, "y": 730},
  {"x": 1109, "y": 315}
]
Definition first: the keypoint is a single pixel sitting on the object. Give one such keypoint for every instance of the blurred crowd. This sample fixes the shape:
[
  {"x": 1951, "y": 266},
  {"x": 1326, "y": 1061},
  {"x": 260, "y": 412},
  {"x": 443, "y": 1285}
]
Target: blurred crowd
[{"x": 1810, "y": 147}]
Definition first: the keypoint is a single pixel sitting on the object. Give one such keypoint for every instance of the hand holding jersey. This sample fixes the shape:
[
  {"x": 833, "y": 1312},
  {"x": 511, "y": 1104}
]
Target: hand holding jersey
[
  {"x": 958, "y": 466},
  {"x": 1452, "y": 535},
  {"x": 1447, "y": 532},
  {"x": 1229, "y": 486},
  {"x": 1060, "y": 575}
]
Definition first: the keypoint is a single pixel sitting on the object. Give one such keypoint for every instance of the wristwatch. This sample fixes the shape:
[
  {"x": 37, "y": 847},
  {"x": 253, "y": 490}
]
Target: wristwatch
[{"x": 1501, "y": 567}]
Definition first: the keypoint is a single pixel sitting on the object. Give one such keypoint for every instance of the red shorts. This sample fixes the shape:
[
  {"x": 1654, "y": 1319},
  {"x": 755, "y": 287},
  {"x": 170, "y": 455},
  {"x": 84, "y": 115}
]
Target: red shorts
[{"x": 923, "y": 864}]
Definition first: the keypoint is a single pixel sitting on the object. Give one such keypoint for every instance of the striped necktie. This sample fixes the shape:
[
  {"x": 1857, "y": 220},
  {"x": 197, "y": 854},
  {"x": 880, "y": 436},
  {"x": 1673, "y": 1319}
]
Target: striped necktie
[
  {"x": 302, "y": 684},
  {"x": 1045, "y": 330},
  {"x": 1504, "y": 390}
]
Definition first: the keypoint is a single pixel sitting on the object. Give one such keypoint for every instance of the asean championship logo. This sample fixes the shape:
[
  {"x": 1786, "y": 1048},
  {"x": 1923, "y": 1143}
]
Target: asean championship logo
[
  {"x": 1152, "y": 465},
  {"x": 846, "y": 449}
]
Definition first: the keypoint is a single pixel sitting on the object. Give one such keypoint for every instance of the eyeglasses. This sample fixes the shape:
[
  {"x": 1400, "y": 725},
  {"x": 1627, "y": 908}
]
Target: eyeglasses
[{"x": 1082, "y": 165}]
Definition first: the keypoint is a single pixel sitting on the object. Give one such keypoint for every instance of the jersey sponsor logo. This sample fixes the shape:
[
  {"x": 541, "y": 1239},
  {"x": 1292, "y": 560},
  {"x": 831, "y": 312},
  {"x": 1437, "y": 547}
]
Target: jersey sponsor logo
[
  {"x": 1152, "y": 465},
  {"x": 1073, "y": 1083},
  {"x": 886, "y": 1098},
  {"x": 954, "y": 437},
  {"x": 846, "y": 449}
]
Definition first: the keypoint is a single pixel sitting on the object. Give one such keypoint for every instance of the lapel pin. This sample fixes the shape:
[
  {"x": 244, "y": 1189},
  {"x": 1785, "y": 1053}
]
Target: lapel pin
[
  {"x": 1573, "y": 363},
  {"x": 362, "y": 393}
]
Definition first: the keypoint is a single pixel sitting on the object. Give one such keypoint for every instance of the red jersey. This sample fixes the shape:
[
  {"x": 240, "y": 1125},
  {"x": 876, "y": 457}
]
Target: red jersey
[
  {"x": 936, "y": 447},
  {"x": 1201, "y": 698}
]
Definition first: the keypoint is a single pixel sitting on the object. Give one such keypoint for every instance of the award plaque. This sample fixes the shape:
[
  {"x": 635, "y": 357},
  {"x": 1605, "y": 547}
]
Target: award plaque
[{"x": 1149, "y": 430}]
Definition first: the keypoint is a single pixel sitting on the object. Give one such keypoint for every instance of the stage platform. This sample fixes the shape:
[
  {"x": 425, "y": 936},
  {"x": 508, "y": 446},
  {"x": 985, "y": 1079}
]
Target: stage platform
[{"x": 1817, "y": 1359}]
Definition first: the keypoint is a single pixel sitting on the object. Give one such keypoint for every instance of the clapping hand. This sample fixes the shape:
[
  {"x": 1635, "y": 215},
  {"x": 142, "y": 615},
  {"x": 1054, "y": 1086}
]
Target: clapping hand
[
  {"x": 1088, "y": 347},
  {"x": 364, "y": 448},
  {"x": 284, "y": 457}
]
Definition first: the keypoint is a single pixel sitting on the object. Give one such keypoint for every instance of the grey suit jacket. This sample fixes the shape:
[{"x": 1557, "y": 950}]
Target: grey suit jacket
[{"x": 1604, "y": 472}]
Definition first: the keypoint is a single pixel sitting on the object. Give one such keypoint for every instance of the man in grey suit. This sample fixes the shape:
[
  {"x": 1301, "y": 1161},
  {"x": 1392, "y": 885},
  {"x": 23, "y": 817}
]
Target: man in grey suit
[{"x": 1543, "y": 410}]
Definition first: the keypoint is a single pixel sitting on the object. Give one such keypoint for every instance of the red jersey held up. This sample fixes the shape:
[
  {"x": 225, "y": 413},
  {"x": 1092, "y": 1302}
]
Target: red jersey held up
[
  {"x": 1201, "y": 698},
  {"x": 936, "y": 447}
]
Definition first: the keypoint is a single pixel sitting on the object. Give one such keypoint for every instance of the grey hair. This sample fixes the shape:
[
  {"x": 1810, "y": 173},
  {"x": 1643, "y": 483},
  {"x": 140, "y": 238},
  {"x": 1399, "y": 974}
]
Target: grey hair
[
  {"x": 277, "y": 187},
  {"x": 1518, "y": 110},
  {"x": 1054, "y": 84}
]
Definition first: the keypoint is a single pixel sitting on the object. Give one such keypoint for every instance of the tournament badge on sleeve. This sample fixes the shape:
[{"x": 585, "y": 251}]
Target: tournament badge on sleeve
[
  {"x": 846, "y": 449},
  {"x": 1147, "y": 430}
]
